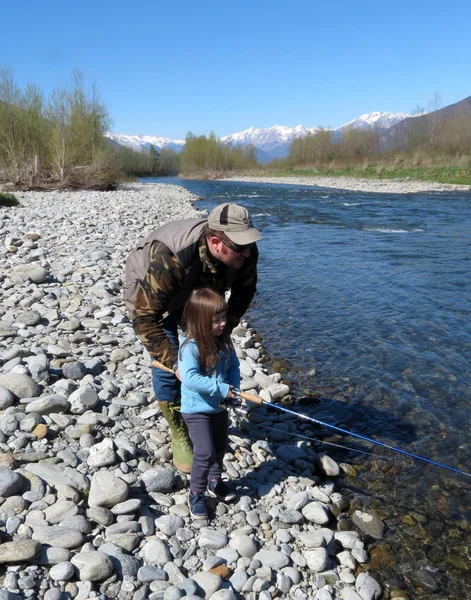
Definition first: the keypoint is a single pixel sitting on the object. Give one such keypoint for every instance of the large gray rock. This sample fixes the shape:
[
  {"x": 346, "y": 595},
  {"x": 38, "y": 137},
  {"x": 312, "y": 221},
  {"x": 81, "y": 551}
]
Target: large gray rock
[
  {"x": 155, "y": 552},
  {"x": 212, "y": 539},
  {"x": 244, "y": 545},
  {"x": 29, "y": 271},
  {"x": 317, "y": 559},
  {"x": 158, "y": 479},
  {"x": 107, "y": 490},
  {"x": 58, "y": 537},
  {"x": 10, "y": 482},
  {"x": 92, "y": 566},
  {"x": 20, "y": 384},
  {"x": 6, "y": 398},
  {"x": 57, "y": 475},
  {"x": 272, "y": 558},
  {"x": 19, "y": 551},
  {"x": 369, "y": 523},
  {"x": 46, "y": 405}
]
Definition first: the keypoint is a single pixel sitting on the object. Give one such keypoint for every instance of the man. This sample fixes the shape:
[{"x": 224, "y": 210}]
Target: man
[{"x": 218, "y": 252}]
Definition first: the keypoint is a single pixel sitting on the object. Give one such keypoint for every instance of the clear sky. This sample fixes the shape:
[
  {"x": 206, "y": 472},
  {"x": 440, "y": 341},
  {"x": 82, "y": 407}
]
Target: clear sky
[{"x": 166, "y": 68}]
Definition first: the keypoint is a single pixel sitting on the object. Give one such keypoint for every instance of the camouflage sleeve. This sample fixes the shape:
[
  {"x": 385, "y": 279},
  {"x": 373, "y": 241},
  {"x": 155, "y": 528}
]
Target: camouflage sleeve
[
  {"x": 162, "y": 281},
  {"x": 243, "y": 290}
]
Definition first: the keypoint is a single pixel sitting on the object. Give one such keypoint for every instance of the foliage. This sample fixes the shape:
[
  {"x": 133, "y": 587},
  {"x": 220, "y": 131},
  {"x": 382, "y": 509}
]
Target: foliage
[
  {"x": 59, "y": 142},
  {"x": 8, "y": 200},
  {"x": 438, "y": 148},
  {"x": 209, "y": 157}
]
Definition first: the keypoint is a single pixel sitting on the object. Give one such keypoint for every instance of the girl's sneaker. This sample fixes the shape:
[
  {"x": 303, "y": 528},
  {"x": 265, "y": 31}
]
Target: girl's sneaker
[
  {"x": 197, "y": 505},
  {"x": 220, "y": 490}
]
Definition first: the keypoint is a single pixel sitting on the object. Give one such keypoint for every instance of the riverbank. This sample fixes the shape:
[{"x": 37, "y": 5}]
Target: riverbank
[
  {"x": 89, "y": 502},
  {"x": 371, "y": 186}
]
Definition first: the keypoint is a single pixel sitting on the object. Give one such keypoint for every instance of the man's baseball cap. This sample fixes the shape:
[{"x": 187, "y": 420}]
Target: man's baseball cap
[{"x": 234, "y": 220}]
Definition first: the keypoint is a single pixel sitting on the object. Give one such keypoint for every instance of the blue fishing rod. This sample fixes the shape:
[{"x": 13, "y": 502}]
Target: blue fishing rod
[{"x": 260, "y": 401}]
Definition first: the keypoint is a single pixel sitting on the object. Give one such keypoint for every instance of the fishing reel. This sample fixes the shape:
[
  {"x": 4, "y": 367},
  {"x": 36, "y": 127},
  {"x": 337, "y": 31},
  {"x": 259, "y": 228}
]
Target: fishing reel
[{"x": 238, "y": 406}]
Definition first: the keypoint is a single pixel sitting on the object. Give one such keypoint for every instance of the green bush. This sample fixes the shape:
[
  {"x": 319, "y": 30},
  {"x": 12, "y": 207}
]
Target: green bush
[{"x": 8, "y": 200}]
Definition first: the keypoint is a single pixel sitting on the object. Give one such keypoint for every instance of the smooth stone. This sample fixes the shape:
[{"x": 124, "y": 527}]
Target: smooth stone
[
  {"x": 316, "y": 512},
  {"x": 10, "y": 482},
  {"x": 63, "y": 571},
  {"x": 92, "y": 566},
  {"x": 127, "y": 507},
  {"x": 211, "y": 539},
  {"x": 244, "y": 545},
  {"x": 317, "y": 559},
  {"x": 107, "y": 490},
  {"x": 272, "y": 559},
  {"x": 328, "y": 465},
  {"x": 6, "y": 398},
  {"x": 369, "y": 523},
  {"x": 19, "y": 551},
  {"x": 169, "y": 524},
  {"x": 149, "y": 573},
  {"x": 58, "y": 537},
  {"x": 20, "y": 384},
  {"x": 209, "y": 582},
  {"x": 158, "y": 479},
  {"x": 155, "y": 552},
  {"x": 46, "y": 405},
  {"x": 59, "y": 511}
]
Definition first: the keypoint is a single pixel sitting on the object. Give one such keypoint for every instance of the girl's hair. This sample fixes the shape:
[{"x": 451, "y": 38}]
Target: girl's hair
[{"x": 202, "y": 306}]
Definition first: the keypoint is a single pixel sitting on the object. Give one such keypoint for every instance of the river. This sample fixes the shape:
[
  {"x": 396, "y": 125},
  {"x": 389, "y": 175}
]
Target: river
[{"x": 364, "y": 304}]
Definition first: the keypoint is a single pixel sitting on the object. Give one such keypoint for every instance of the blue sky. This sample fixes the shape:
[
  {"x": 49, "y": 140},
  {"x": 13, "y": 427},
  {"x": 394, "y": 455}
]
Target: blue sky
[{"x": 166, "y": 68}]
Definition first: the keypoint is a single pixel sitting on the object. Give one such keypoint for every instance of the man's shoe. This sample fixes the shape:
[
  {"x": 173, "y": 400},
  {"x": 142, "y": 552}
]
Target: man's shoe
[
  {"x": 181, "y": 445},
  {"x": 197, "y": 505},
  {"x": 220, "y": 490}
]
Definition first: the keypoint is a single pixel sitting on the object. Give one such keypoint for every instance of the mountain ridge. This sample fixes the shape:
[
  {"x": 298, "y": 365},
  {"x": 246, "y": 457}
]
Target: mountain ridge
[{"x": 269, "y": 142}]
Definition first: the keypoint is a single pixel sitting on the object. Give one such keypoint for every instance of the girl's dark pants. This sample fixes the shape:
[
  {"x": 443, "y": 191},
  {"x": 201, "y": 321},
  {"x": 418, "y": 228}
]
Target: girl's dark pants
[{"x": 208, "y": 433}]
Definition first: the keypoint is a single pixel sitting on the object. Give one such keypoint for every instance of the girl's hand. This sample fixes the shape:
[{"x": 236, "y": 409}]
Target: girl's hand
[{"x": 231, "y": 395}]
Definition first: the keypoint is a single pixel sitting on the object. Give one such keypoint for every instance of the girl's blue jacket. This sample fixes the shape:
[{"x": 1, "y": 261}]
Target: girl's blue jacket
[{"x": 203, "y": 392}]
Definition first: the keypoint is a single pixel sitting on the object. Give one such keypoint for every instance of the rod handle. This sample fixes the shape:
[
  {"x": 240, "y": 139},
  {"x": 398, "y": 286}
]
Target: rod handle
[{"x": 250, "y": 397}]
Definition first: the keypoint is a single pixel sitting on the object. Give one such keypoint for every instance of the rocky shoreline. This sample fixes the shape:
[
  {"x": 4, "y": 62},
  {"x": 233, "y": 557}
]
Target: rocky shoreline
[
  {"x": 90, "y": 506},
  {"x": 372, "y": 186}
]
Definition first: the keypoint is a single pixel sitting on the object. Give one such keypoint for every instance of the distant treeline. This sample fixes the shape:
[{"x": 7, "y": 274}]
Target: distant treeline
[
  {"x": 208, "y": 156},
  {"x": 426, "y": 137},
  {"x": 60, "y": 142}
]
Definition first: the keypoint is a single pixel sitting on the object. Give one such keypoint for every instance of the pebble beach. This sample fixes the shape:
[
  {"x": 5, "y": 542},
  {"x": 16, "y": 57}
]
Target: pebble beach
[
  {"x": 90, "y": 504},
  {"x": 372, "y": 186}
]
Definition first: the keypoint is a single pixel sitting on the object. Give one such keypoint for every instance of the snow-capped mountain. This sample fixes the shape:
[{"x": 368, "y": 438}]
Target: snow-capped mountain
[
  {"x": 143, "y": 142},
  {"x": 271, "y": 142},
  {"x": 378, "y": 120},
  {"x": 268, "y": 138}
]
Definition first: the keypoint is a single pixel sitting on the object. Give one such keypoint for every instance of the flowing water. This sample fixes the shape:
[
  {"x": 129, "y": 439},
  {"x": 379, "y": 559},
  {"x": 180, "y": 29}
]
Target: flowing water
[{"x": 364, "y": 304}]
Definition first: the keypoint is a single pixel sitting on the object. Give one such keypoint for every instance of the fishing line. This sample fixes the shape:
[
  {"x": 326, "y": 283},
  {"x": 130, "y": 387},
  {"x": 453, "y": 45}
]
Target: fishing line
[
  {"x": 312, "y": 439},
  {"x": 257, "y": 400}
]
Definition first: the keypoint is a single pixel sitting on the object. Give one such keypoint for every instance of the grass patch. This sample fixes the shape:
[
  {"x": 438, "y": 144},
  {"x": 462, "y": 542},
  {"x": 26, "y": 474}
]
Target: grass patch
[
  {"x": 8, "y": 200},
  {"x": 440, "y": 174}
]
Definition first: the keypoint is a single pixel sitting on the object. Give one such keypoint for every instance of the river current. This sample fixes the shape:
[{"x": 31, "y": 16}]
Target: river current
[{"x": 364, "y": 304}]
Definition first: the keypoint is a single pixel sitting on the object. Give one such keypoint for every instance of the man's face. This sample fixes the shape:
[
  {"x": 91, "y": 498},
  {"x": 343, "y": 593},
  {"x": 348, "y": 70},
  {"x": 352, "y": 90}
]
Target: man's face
[{"x": 227, "y": 252}]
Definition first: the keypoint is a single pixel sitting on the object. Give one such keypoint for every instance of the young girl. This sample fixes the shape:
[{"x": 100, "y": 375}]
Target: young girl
[{"x": 207, "y": 366}]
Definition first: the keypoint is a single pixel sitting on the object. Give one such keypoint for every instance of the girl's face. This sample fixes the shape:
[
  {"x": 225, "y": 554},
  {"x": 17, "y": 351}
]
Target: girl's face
[{"x": 218, "y": 324}]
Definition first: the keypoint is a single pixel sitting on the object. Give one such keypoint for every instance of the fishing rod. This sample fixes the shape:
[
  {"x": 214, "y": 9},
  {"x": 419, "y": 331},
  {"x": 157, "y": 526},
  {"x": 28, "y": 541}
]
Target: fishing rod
[{"x": 260, "y": 401}]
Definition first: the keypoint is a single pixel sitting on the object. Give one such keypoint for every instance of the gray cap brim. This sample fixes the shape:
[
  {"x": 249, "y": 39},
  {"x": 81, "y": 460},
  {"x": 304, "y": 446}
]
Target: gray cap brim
[{"x": 248, "y": 236}]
